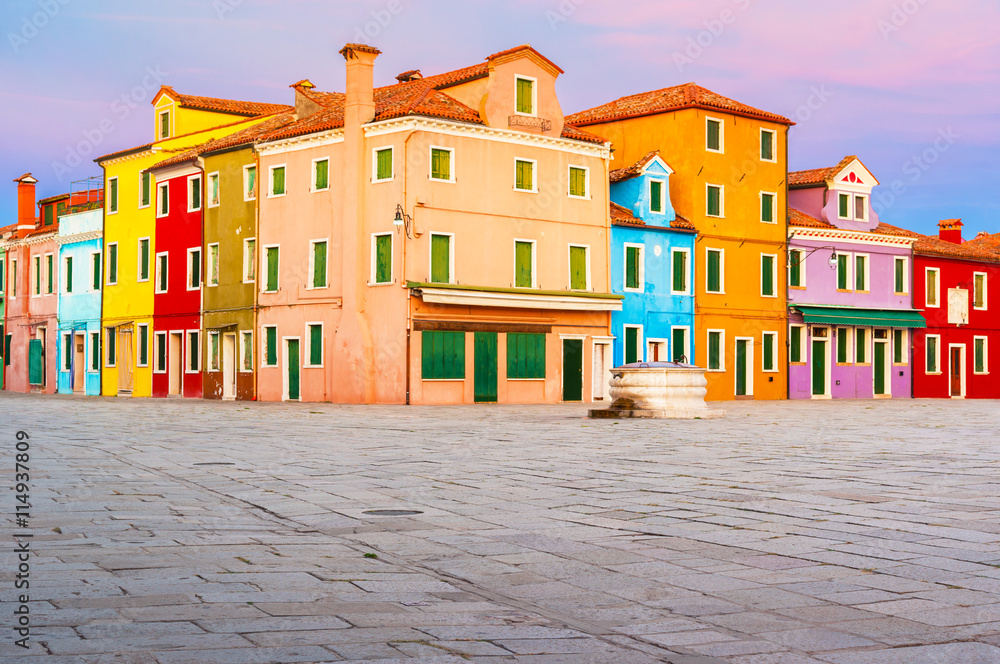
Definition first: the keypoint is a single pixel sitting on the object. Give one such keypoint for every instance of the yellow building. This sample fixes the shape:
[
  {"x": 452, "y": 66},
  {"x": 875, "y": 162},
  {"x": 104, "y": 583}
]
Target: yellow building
[
  {"x": 127, "y": 276},
  {"x": 730, "y": 165}
]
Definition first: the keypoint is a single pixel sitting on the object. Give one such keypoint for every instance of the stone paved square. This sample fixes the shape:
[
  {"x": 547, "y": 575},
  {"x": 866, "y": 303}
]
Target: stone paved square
[{"x": 169, "y": 531}]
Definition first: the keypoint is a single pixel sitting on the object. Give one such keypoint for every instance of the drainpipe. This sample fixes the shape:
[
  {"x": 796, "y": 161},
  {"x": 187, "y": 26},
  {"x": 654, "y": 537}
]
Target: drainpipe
[
  {"x": 256, "y": 290},
  {"x": 409, "y": 319},
  {"x": 788, "y": 372}
]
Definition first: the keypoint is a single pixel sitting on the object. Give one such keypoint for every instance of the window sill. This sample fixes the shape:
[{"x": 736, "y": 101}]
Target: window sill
[
  {"x": 312, "y": 366},
  {"x": 376, "y": 284},
  {"x": 933, "y": 373},
  {"x": 442, "y": 380},
  {"x": 526, "y": 191},
  {"x": 526, "y": 380},
  {"x": 452, "y": 181},
  {"x": 799, "y": 364},
  {"x": 720, "y": 151},
  {"x": 383, "y": 180},
  {"x": 318, "y": 191},
  {"x": 715, "y": 216},
  {"x": 772, "y": 223},
  {"x": 579, "y": 198},
  {"x": 715, "y": 292},
  {"x": 980, "y": 373},
  {"x": 276, "y": 195},
  {"x": 797, "y": 288},
  {"x": 715, "y": 371}
]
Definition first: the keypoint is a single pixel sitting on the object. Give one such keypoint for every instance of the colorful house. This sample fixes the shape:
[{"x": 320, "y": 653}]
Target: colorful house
[
  {"x": 849, "y": 289},
  {"x": 6, "y": 233},
  {"x": 132, "y": 200},
  {"x": 952, "y": 280},
  {"x": 652, "y": 266},
  {"x": 730, "y": 163},
  {"x": 79, "y": 306},
  {"x": 440, "y": 240}
]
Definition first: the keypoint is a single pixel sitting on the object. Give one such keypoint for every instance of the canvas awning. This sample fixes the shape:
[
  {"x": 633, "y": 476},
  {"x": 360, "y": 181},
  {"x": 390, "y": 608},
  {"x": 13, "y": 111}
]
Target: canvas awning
[
  {"x": 519, "y": 298},
  {"x": 858, "y": 317}
]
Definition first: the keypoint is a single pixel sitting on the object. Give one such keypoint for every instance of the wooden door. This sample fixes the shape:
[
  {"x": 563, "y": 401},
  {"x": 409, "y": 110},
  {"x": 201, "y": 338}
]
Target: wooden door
[
  {"x": 879, "y": 366},
  {"x": 818, "y": 367},
  {"x": 125, "y": 360},
  {"x": 293, "y": 369},
  {"x": 956, "y": 371},
  {"x": 175, "y": 363},
  {"x": 485, "y": 367},
  {"x": 79, "y": 363},
  {"x": 35, "y": 362},
  {"x": 572, "y": 369}
]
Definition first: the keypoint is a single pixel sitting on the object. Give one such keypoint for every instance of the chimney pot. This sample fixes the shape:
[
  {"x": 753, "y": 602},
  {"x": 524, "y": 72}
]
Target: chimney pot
[
  {"x": 950, "y": 230},
  {"x": 25, "y": 204}
]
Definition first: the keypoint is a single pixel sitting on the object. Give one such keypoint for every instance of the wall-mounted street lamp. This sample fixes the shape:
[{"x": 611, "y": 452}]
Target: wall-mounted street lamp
[
  {"x": 405, "y": 222},
  {"x": 832, "y": 262}
]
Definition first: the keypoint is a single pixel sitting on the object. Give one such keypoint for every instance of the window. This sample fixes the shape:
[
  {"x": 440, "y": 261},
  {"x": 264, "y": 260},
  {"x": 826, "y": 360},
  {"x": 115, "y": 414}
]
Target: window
[
  {"x": 6, "y": 347},
  {"x": 68, "y": 275},
  {"x": 578, "y": 182},
  {"x": 843, "y": 272},
  {"x": 767, "y": 141},
  {"x": 194, "y": 193},
  {"x": 796, "y": 344},
  {"x": 246, "y": 351},
  {"x": 112, "y": 263},
  {"x": 142, "y": 345},
  {"x": 679, "y": 271},
  {"x": 714, "y": 201},
  {"x": 271, "y": 267},
  {"x": 48, "y": 214},
  {"x": 767, "y": 208},
  {"x": 3, "y": 274},
  {"x": 67, "y": 345},
  {"x": 979, "y": 355},
  {"x": 861, "y": 345},
  {"x": 321, "y": 174},
  {"x": 165, "y": 124},
  {"x": 194, "y": 269},
  {"x": 213, "y": 350},
  {"x": 932, "y": 287},
  {"x": 768, "y": 275},
  {"x": 634, "y": 267},
  {"x": 716, "y": 350},
  {"x": 193, "y": 351},
  {"x": 317, "y": 264},
  {"x": 95, "y": 351},
  {"x": 249, "y": 260},
  {"x": 442, "y": 355},
  {"x": 633, "y": 344},
  {"x": 579, "y": 267},
  {"x": 249, "y": 183},
  {"x": 844, "y": 206},
  {"x": 277, "y": 187},
  {"x": 901, "y": 274},
  {"x": 525, "y": 356},
  {"x": 441, "y": 258},
  {"x": 50, "y": 277},
  {"x": 713, "y": 135},
  {"x": 843, "y": 345},
  {"x": 161, "y": 273},
  {"x": 524, "y": 264},
  {"x": 382, "y": 258},
  {"x": 13, "y": 281},
  {"x": 796, "y": 263},
  {"x": 524, "y": 175},
  {"x": 160, "y": 352},
  {"x": 933, "y": 359},
  {"x": 213, "y": 190},
  {"x": 144, "y": 189},
  {"x": 95, "y": 271},
  {"x": 979, "y": 290},
  {"x": 656, "y": 196},
  {"x": 861, "y": 273},
  {"x": 110, "y": 340},
  {"x": 383, "y": 165},
  {"x": 38, "y": 275},
  {"x": 441, "y": 159},
  {"x": 860, "y": 208},
  {"x": 112, "y": 196},
  {"x": 143, "y": 259},
  {"x": 769, "y": 351},
  {"x": 213, "y": 264},
  {"x": 270, "y": 346},
  {"x": 715, "y": 272},
  {"x": 679, "y": 342},
  {"x": 525, "y": 96},
  {"x": 899, "y": 346},
  {"x": 163, "y": 199}
]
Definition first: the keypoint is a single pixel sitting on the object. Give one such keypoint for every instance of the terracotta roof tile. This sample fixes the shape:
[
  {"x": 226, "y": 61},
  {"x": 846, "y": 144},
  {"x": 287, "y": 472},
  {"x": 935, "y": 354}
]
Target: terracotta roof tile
[
  {"x": 121, "y": 153},
  {"x": 242, "y": 137},
  {"x": 629, "y": 172},
  {"x": 929, "y": 245},
  {"x": 682, "y": 223},
  {"x": 524, "y": 47},
  {"x": 665, "y": 100},
  {"x": 800, "y": 219},
  {"x": 986, "y": 242},
  {"x": 817, "y": 176},
  {"x": 888, "y": 229},
  {"x": 622, "y": 216},
  {"x": 231, "y": 106},
  {"x": 448, "y": 79}
]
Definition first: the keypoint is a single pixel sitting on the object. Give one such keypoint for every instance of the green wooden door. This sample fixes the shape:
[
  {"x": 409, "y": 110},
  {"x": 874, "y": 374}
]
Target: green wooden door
[
  {"x": 880, "y": 367},
  {"x": 818, "y": 367},
  {"x": 486, "y": 367},
  {"x": 741, "y": 367},
  {"x": 293, "y": 369},
  {"x": 35, "y": 361},
  {"x": 572, "y": 369}
]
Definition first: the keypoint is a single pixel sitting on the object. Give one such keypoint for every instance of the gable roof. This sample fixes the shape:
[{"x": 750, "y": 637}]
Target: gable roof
[
  {"x": 622, "y": 216},
  {"x": 245, "y": 136},
  {"x": 688, "y": 95},
  {"x": 799, "y": 219},
  {"x": 629, "y": 172},
  {"x": 818, "y": 176},
  {"x": 986, "y": 242},
  {"x": 929, "y": 245},
  {"x": 217, "y": 105}
]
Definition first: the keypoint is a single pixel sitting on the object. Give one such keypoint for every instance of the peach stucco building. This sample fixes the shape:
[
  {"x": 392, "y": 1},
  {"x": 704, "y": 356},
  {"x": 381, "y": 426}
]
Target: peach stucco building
[{"x": 440, "y": 240}]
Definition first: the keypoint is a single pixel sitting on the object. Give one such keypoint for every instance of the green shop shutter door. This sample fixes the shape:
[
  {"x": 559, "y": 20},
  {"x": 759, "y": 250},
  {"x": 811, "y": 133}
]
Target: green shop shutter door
[
  {"x": 315, "y": 345},
  {"x": 578, "y": 268},
  {"x": 897, "y": 346},
  {"x": 272, "y": 268},
  {"x": 522, "y": 271},
  {"x": 440, "y": 259},
  {"x": 319, "y": 265},
  {"x": 861, "y": 345},
  {"x": 841, "y": 345},
  {"x": 442, "y": 355}
]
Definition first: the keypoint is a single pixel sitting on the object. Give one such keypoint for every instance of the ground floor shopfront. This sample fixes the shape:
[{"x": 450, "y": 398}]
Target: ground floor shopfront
[
  {"x": 229, "y": 355},
  {"x": 31, "y": 354},
  {"x": 955, "y": 363},
  {"x": 79, "y": 353},
  {"x": 743, "y": 352}
]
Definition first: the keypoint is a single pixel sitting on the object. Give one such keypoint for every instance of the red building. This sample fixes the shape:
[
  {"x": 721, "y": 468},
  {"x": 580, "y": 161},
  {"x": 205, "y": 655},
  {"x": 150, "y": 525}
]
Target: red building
[
  {"x": 177, "y": 271},
  {"x": 952, "y": 281}
]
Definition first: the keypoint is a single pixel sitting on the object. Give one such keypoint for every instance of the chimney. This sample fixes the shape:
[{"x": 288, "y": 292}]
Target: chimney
[
  {"x": 305, "y": 106},
  {"x": 25, "y": 204},
  {"x": 950, "y": 230},
  {"x": 359, "y": 107},
  {"x": 411, "y": 75}
]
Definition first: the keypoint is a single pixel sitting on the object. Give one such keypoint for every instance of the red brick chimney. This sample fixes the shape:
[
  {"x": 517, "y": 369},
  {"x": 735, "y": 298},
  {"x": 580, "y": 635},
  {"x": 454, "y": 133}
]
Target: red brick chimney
[
  {"x": 950, "y": 230},
  {"x": 25, "y": 204}
]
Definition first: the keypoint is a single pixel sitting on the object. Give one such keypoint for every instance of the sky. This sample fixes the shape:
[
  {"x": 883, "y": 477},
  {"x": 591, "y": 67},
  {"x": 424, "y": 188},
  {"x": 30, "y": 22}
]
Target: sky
[{"x": 910, "y": 86}]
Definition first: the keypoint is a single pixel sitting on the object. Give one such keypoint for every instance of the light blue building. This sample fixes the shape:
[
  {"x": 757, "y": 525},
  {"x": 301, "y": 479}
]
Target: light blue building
[
  {"x": 652, "y": 265},
  {"x": 80, "y": 246}
]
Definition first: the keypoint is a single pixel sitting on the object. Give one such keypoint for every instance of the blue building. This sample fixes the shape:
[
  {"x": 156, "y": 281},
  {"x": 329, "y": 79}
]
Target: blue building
[
  {"x": 80, "y": 246},
  {"x": 652, "y": 252}
]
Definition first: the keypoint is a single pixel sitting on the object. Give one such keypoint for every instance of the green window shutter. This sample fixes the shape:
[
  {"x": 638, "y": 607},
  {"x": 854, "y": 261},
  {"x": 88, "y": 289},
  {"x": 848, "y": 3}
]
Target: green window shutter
[
  {"x": 322, "y": 174},
  {"x": 767, "y": 275},
  {"x": 842, "y": 345},
  {"x": 161, "y": 273},
  {"x": 213, "y": 259},
  {"x": 113, "y": 264},
  {"x": 980, "y": 352},
  {"x": 49, "y": 212},
  {"x": 383, "y": 167},
  {"x": 271, "y": 339},
  {"x": 678, "y": 339},
  {"x": 578, "y": 268},
  {"x": 680, "y": 271},
  {"x": 860, "y": 345},
  {"x": 97, "y": 271},
  {"x": 524, "y": 96},
  {"x": 49, "y": 269},
  {"x": 213, "y": 189},
  {"x": 195, "y": 269},
  {"x": 144, "y": 259},
  {"x": 69, "y": 274},
  {"x": 714, "y": 351},
  {"x": 315, "y": 345},
  {"x": 441, "y": 259},
  {"x": 899, "y": 275},
  {"x": 795, "y": 268},
  {"x": 897, "y": 346},
  {"x": 144, "y": 198},
  {"x": 859, "y": 273},
  {"x": 712, "y": 134},
  {"x": 525, "y": 355},
  {"x": 383, "y": 259},
  {"x": 714, "y": 207},
  {"x": 769, "y": 352},
  {"x": 143, "y": 345},
  {"x": 164, "y": 125},
  {"x": 213, "y": 351},
  {"x": 112, "y": 346},
  {"x": 319, "y": 265},
  {"x": 194, "y": 352},
  {"x": 766, "y": 145},
  {"x": 440, "y": 164},
  {"x": 3, "y": 274},
  {"x": 577, "y": 181},
  {"x": 272, "y": 268},
  {"x": 525, "y": 175},
  {"x": 248, "y": 351},
  {"x": 979, "y": 291},
  {"x": 114, "y": 195},
  {"x": 795, "y": 345},
  {"x": 196, "y": 193},
  {"x": 442, "y": 355},
  {"x": 631, "y": 267},
  {"x": 845, "y": 201},
  {"x": 251, "y": 181},
  {"x": 655, "y": 196},
  {"x": 631, "y": 345},
  {"x": 164, "y": 200},
  {"x": 714, "y": 271},
  {"x": 522, "y": 265},
  {"x": 841, "y": 272},
  {"x": 767, "y": 208},
  {"x": 95, "y": 352},
  {"x": 38, "y": 276},
  {"x": 931, "y": 354},
  {"x": 278, "y": 181}
]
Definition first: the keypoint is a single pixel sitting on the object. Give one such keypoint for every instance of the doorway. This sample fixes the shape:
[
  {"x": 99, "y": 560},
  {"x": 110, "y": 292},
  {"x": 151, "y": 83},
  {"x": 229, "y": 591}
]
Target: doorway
[
  {"x": 175, "y": 361},
  {"x": 79, "y": 362},
  {"x": 602, "y": 364},
  {"x": 744, "y": 367},
  {"x": 956, "y": 371},
  {"x": 125, "y": 358},
  {"x": 229, "y": 367},
  {"x": 485, "y": 367},
  {"x": 36, "y": 363},
  {"x": 572, "y": 370},
  {"x": 880, "y": 365},
  {"x": 292, "y": 370},
  {"x": 820, "y": 358}
]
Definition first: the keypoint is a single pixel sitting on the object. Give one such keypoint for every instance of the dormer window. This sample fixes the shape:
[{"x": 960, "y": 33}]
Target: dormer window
[
  {"x": 844, "y": 210},
  {"x": 525, "y": 95},
  {"x": 860, "y": 207},
  {"x": 165, "y": 124},
  {"x": 656, "y": 196}
]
